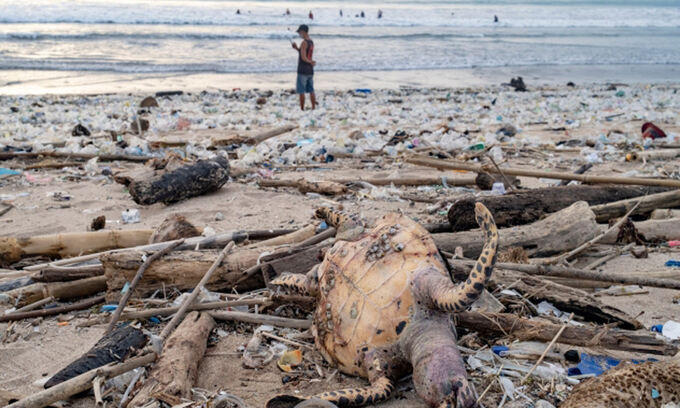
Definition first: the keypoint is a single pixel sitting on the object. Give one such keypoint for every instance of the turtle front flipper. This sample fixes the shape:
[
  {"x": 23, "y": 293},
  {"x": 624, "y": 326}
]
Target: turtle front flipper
[
  {"x": 307, "y": 284},
  {"x": 381, "y": 388},
  {"x": 432, "y": 287},
  {"x": 349, "y": 228}
]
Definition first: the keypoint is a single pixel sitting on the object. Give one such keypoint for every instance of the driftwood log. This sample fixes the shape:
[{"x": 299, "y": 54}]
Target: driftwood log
[
  {"x": 112, "y": 348},
  {"x": 179, "y": 270},
  {"x": 506, "y": 324},
  {"x": 58, "y": 290},
  {"x": 563, "y": 297},
  {"x": 188, "y": 181},
  {"x": 174, "y": 374},
  {"x": 527, "y": 206},
  {"x": 557, "y": 233},
  {"x": 668, "y": 199},
  {"x": 65, "y": 274},
  {"x": 69, "y": 244}
]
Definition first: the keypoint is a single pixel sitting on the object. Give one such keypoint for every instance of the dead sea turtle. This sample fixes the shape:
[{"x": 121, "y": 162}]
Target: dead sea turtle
[{"x": 384, "y": 308}]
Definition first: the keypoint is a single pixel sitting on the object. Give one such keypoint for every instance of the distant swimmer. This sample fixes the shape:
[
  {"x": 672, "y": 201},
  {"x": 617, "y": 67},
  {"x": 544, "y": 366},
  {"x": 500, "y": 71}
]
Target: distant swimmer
[
  {"x": 495, "y": 18},
  {"x": 287, "y": 12},
  {"x": 379, "y": 13},
  {"x": 362, "y": 14},
  {"x": 340, "y": 12},
  {"x": 238, "y": 11},
  {"x": 311, "y": 15}
]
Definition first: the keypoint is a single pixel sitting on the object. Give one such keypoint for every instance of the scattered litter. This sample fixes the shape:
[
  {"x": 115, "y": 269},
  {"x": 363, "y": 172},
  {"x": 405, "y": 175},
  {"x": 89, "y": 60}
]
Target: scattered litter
[
  {"x": 289, "y": 360},
  {"x": 673, "y": 263},
  {"x": 130, "y": 216}
]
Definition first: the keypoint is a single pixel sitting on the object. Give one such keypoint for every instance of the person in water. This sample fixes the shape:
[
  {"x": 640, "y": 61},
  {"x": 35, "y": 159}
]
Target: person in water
[
  {"x": 305, "y": 69},
  {"x": 311, "y": 15},
  {"x": 379, "y": 14}
]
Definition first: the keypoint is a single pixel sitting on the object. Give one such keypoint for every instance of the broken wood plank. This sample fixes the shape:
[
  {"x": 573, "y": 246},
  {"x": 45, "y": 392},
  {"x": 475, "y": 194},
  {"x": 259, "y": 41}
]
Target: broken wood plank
[
  {"x": 506, "y": 324},
  {"x": 307, "y": 186},
  {"x": 527, "y": 206},
  {"x": 84, "y": 156},
  {"x": 262, "y": 319}
]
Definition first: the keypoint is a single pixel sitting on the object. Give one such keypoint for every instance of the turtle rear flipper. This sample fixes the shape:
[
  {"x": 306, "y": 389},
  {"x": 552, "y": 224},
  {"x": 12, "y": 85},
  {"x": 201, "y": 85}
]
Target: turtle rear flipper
[
  {"x": 295, "y": 282},
  {"x": 381, "y": 388},
  {"x": 437, "y": 289}
]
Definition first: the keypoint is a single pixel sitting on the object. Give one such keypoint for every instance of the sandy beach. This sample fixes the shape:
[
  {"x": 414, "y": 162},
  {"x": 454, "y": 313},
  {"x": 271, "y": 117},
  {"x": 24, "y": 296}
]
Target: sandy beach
[{"x": 352, "y": 135}]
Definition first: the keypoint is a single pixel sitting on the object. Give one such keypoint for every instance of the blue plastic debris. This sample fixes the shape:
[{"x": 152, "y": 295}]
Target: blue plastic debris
[
  {"x": 323, "y": 226},
  {"x": 109, "y": 308},
  {"x": 597, "y": 365},
  {"x": 126, "y": 287},
  {"x": 658, "y": 328},
  {"x": 154, "y": 320},
  {"x": 673, "y": 263},
  {"x": 655, "y": 393},
  {"x": 500, "y": 350},
  {"x": 8, "y": 172},
  {"x": 363, "y": 90},
  {"x": 304, "y": 142}
]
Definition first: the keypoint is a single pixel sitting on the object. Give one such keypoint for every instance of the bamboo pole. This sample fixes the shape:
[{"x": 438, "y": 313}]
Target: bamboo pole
[{"x": 584, "y": 178}]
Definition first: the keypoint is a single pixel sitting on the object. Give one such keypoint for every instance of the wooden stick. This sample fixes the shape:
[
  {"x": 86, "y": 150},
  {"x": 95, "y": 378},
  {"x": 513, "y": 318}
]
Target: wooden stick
[
  {"x": 262, "y": 319},
  {"x": 495, "y": 165},
  {"x": 81, "y": 383},
  {"x": 60, "y": 290},
  {"x": 52, "y": 165},
  {"x": 547, "y": 349},
  {"x": 97, "y": 387},
  {"x": 135, "y": 281},
  {"x": 167, "y": 330},
  {"x": 85, "y": 156},
  {"x": 568, "y": 272},
  {"x": 320, "y": 237},
  {"x": 167, "y": 311},
  {"x": 54, "y": 311},
  {"x": 604, "y": 259},
  {"x": 35, "y": 305},
  {"x": 586, "y": 245},
  {"x": 376, "y": 181},
  {"x": 478, "y": 168},
  {"x": 6, "y": 209}
]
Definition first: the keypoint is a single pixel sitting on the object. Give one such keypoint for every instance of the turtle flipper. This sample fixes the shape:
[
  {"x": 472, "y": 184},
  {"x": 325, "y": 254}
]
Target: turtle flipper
[
  {"x": 295, "y": 282},
  {"x": 438, "y": 290},
  {"x": 381, "y": 388},
  {"x": 350, "y": 228}
]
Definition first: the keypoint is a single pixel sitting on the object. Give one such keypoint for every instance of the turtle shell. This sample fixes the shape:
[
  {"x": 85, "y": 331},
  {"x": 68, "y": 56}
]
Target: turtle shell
[{"x": 365, "y": 298}]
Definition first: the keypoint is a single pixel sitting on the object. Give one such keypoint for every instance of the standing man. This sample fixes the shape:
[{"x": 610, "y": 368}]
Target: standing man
[{"x": 305, "y": 69}]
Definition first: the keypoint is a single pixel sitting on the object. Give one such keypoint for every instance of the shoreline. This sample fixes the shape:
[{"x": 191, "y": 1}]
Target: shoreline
[{"x": 38, "y": 82}]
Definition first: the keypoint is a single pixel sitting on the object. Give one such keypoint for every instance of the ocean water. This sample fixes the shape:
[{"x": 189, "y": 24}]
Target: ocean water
[{"x": 194, "y": 36}]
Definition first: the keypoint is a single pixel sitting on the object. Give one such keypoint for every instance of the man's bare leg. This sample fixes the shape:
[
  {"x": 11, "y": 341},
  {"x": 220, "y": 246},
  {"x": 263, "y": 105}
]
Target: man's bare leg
[
  {"x": 312, "y": 96},
  {"x": 302, "y": 102}
]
